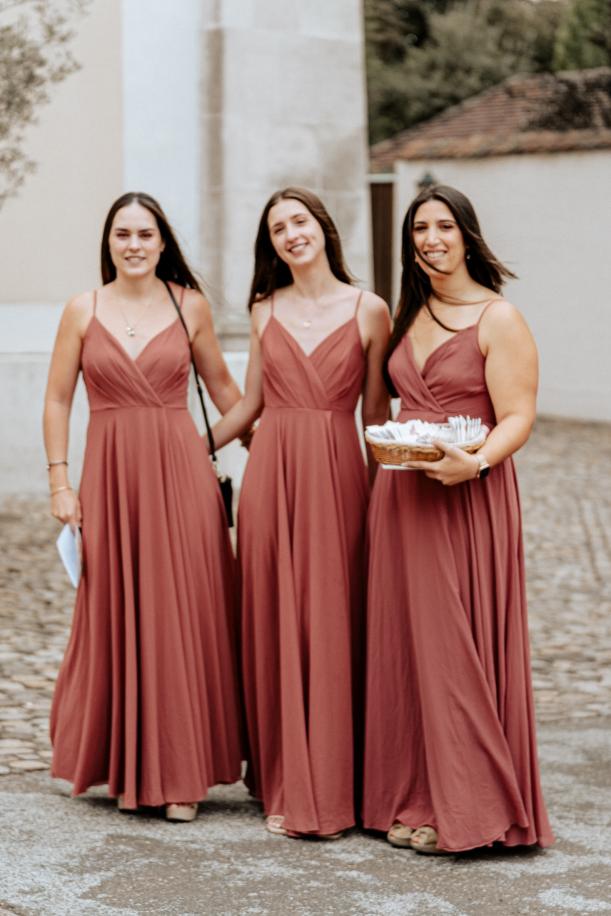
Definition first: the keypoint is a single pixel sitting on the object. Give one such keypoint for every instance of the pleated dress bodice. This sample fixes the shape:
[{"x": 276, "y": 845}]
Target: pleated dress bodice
[
  {"x": 452, "y": 380},
  {"x": 157, "y": 377},
  {"x": 330, "y": 377}
]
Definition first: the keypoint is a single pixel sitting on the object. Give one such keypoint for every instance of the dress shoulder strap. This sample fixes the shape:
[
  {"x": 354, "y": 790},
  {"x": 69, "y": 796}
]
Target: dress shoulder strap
[
  {"x": 486, "y": 307},
  {"x": 271, "y": 304},
  {"x": 358, "y": 302},
  {"x": 95, "y": 300},
  {"x": 173, "y": 288}
]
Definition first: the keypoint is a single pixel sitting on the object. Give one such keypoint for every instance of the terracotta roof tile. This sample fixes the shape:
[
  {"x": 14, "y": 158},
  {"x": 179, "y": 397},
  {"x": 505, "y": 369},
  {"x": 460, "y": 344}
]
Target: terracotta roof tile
[{"x": 540, "y": 113}]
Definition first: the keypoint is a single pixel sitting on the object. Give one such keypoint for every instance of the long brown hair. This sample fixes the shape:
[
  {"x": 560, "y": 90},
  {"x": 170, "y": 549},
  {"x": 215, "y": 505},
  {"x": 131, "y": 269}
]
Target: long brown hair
[
  {"x": 416, "y": 286},
  {"x": 270, "y": 272},
  {"x": 172, "y": 264}
]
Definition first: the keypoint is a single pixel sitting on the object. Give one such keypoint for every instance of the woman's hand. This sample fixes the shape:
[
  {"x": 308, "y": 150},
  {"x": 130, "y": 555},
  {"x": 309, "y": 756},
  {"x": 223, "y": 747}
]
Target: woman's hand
[
  {"x": 247, "y": 437},
  {"x": 66, "y": 508},
  {"x": 456, "y": 466}
]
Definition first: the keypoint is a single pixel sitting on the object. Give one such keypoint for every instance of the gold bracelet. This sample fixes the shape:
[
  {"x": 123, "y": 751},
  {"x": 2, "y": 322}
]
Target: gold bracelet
[
  {"x": 52, "y": 464},
  {"x": 59, "y": 490}
]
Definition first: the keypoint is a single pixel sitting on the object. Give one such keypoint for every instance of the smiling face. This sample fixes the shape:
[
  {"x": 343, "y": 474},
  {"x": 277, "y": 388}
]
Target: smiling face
[
  {"x": 135, "y": 242},
  {"x": 438, "y": 238},
  {"x": 297, "y": 237}
]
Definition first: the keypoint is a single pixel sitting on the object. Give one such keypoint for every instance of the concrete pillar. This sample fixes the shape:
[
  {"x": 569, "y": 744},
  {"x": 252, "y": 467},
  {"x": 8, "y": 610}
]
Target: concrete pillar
[{"x": 282, "y": 102}]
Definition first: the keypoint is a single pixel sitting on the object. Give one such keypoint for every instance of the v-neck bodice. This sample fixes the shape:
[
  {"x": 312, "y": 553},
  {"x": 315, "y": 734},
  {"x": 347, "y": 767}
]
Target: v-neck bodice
[
  {"x": 452, "y": 380},
  {"x": 330, "y": 377},
  {"x": 157, "y": 377}
]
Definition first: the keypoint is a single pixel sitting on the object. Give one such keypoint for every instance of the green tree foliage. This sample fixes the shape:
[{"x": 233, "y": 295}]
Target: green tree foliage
[
  {"x": 583, "y": 39},
  {"x": 424, "y": 57},
  {"x": 34, "y": 53}
]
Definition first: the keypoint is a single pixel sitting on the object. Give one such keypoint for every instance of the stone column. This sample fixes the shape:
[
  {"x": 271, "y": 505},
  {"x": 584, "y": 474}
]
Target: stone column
[{"x": 283, "y": 102}]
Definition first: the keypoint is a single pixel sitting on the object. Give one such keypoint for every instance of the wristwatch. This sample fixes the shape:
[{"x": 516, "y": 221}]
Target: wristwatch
[{"x": 484, "y": 467}]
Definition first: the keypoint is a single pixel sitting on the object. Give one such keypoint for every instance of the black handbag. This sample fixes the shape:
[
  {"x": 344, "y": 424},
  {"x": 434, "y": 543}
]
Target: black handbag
[{"x": 225, "y": 482}]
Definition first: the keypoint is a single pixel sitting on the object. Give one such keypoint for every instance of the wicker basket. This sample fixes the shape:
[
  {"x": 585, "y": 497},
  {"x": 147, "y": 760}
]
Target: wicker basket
[{"x": 395, "y": 454}]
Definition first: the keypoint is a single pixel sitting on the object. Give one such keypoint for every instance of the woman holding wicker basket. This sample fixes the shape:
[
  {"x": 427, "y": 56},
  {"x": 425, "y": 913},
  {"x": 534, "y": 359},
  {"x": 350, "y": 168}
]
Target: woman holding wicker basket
[
  {"x": 450, "y": 750},
  {"x": 317, "y": 344}
]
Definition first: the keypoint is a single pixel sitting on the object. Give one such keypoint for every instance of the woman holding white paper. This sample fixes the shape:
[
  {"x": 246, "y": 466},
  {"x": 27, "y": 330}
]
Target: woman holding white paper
[
  {"x": 146, "y": 699},
  {"x": 450, "y": 756}
]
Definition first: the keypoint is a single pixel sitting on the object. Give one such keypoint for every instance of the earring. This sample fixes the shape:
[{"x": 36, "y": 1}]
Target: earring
[{"x": 468, "y": 256}]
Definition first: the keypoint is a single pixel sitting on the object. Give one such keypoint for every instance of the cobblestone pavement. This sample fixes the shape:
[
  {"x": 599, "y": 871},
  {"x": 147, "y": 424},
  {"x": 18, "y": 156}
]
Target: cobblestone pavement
[{"x": 565, "y": 475}]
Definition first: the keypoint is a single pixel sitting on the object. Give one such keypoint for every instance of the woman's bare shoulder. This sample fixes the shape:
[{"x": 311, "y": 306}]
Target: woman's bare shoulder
[
  {"x": 195, "y": 308},
  {"x": 373, "y": 304},
  {"x": 191, "y": 298},
  {"x": 374, "y": 315},
  {"x": 502, "y": 314},
  {"x": 503, "y": 325},
  {"x": 79, "y": 310},
  {"x": 260, "y": 314}
]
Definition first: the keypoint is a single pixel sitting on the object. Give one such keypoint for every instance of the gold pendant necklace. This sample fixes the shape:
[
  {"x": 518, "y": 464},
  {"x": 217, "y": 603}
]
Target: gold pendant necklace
[{"x": 130, "y": 326}]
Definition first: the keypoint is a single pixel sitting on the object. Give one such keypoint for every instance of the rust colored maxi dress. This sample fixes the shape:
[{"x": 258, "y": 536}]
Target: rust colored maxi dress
[
  {"x": 301, "y": 540},
  {"x": 146, "y": 698},
  {"x": 450, "y": 729}
]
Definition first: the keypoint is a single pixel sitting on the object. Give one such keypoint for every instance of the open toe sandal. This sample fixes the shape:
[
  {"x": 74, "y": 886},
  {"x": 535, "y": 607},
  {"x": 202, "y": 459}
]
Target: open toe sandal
[
  {"x": 424, "y": 840},
  {"x": 274, "y": 823},
  {"x": 400, "y": 835}
]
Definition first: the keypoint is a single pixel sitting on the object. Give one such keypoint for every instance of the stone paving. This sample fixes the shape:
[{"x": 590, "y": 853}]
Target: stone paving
[{"x": 565, "y": 475}]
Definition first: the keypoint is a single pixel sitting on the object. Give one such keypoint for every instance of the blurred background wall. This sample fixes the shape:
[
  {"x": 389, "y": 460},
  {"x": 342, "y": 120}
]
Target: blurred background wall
[{"x": 209, "y": 105}]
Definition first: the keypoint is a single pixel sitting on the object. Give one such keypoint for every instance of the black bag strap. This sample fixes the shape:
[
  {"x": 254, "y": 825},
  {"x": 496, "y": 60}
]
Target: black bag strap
[{"x": 198, "y": 385}]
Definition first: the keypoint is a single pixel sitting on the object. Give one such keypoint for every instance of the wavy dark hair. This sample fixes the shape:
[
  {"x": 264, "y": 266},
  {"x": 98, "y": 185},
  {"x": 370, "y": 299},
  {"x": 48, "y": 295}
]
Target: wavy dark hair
[
  {"x": 270, "y": 272},
  {"x": 416, "y": 285},
  {"x": 172, "y": 265}
]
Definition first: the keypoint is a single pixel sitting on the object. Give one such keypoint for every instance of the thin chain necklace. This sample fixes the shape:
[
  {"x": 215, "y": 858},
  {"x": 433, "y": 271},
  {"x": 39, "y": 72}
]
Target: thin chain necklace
[
  {"x": 130, "y": 326},
  {"x": 317, "y": 310}
]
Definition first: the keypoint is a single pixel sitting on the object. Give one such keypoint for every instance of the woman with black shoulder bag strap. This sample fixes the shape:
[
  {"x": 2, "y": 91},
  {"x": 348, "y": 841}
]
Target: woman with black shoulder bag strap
[{"x": 147, "y": 699}]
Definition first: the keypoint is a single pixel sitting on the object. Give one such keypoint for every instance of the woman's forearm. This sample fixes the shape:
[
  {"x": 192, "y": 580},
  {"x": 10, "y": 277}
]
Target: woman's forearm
[
  {"x": 507, "y": 438},
  {"x": 225, "y": 395},
  {"x": 235, "y": 422},
  {"x": 56, "y": 418}
]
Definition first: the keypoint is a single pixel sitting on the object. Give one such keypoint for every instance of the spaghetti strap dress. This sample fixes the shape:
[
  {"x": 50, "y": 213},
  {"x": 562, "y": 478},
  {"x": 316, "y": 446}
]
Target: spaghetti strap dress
[
  {"x": 146, "y": 699},
  {"x": 450, "y": 727},
  {"x": 302, "y": 517}
]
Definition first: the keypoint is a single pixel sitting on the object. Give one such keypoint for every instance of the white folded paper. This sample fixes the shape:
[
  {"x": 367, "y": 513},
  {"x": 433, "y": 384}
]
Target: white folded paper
[
  {"x": 69, "y": 547},
  {"x": 459, "y": 431}
]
